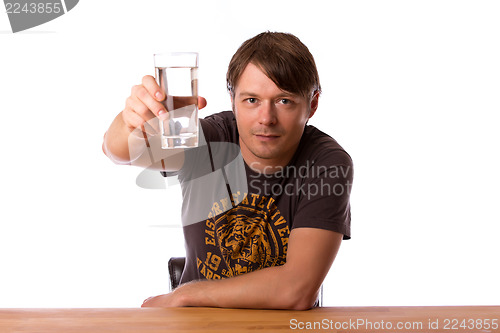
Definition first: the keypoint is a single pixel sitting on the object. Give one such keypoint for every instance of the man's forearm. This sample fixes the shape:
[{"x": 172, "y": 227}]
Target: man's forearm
[
  {"x": 137, "y": 148},
  {"x": 293, "y": 285},
  {"x": 115, "y": 143},
  {"x": 269, "y": 288}
]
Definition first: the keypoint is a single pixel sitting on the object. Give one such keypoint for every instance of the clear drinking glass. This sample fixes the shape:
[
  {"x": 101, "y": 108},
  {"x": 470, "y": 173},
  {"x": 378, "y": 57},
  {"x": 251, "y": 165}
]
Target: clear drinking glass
[{"x": 177, "y": 75}]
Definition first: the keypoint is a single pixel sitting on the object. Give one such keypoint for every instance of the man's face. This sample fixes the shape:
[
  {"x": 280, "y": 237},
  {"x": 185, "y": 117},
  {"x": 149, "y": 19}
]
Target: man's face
[{"x": 270, "y": 121}]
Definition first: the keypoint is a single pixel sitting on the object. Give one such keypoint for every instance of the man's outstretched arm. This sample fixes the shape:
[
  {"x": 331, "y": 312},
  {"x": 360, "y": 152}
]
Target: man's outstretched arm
[
  {"x": 127, "y": 138},
  {"x": 294, "y": 285}
]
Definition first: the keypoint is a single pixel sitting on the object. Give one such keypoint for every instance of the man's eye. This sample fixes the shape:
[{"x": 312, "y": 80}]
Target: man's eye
[
  {"x": 251, "y": 100},
  {"x": 285, "y": 101}
]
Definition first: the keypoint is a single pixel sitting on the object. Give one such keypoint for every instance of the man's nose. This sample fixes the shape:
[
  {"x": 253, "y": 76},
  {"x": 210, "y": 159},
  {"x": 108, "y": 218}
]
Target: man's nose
[{"x": 267, "y": 114}]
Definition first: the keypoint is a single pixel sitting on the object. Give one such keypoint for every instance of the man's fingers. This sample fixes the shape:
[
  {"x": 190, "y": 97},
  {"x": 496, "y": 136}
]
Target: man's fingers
[
  {"x": 147, "y": 299},
  {"x": 144, "y": 103},
  {"x": 138, "y": 107},
  {"x": 150, "y": 302},
  {"x": 153, "y": 88},
  {"x": 132, "y": 119},
  {"x": 143, "y": 95}
]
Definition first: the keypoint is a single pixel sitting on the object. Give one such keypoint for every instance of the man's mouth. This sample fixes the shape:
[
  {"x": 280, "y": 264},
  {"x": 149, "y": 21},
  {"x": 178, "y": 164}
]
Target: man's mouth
[{"x": 267, "y": 137}]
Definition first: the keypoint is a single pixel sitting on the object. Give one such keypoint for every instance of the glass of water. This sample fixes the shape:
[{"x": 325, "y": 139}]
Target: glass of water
[{"x": 177, "y": 75}]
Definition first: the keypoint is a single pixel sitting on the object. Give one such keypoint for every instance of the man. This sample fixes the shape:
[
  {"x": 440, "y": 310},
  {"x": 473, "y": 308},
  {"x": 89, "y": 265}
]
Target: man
[{"x": 270, "y": 242}]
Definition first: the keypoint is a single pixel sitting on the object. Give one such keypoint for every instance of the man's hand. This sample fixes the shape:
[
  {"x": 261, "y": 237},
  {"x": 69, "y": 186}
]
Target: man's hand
[
  {"x": 163, "y": 301},
  {"x": 141, "y": 107},
  {"x": 145, "y": 103}
]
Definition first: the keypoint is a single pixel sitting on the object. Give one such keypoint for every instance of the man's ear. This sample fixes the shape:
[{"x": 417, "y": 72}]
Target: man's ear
[{"x": 314, "y": 104}]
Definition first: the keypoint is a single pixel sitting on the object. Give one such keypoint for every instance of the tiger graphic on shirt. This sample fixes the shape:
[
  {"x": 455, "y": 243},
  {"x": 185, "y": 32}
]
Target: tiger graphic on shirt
[{"x": 250, "y": 236}]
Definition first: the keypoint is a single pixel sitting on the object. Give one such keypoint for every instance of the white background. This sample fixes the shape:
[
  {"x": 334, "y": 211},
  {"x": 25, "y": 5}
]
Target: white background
[{"x": 411, "y": 90}]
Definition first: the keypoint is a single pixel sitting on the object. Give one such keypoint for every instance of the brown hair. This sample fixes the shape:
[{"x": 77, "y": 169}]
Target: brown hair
[{"x": 282, "y": 57}]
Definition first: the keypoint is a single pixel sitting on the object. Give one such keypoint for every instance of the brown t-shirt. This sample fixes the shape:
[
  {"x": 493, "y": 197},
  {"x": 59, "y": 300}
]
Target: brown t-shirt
[{"x": 236, "y": 220}]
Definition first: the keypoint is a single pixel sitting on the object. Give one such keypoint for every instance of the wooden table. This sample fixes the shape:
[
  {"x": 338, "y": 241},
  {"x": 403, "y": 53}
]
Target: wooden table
[{"x": 327, "y": 319}]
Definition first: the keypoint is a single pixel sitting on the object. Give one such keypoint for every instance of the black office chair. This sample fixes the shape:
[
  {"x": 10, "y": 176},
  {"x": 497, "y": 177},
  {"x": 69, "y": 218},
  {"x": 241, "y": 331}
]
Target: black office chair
[{"x": 176, "y": 266}]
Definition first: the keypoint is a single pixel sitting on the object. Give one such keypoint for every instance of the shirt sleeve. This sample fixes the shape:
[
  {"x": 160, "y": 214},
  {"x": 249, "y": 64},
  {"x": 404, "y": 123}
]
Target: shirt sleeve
[
  {"x": 324, "y": 200},
  {"x": 218, "y": 127}
]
